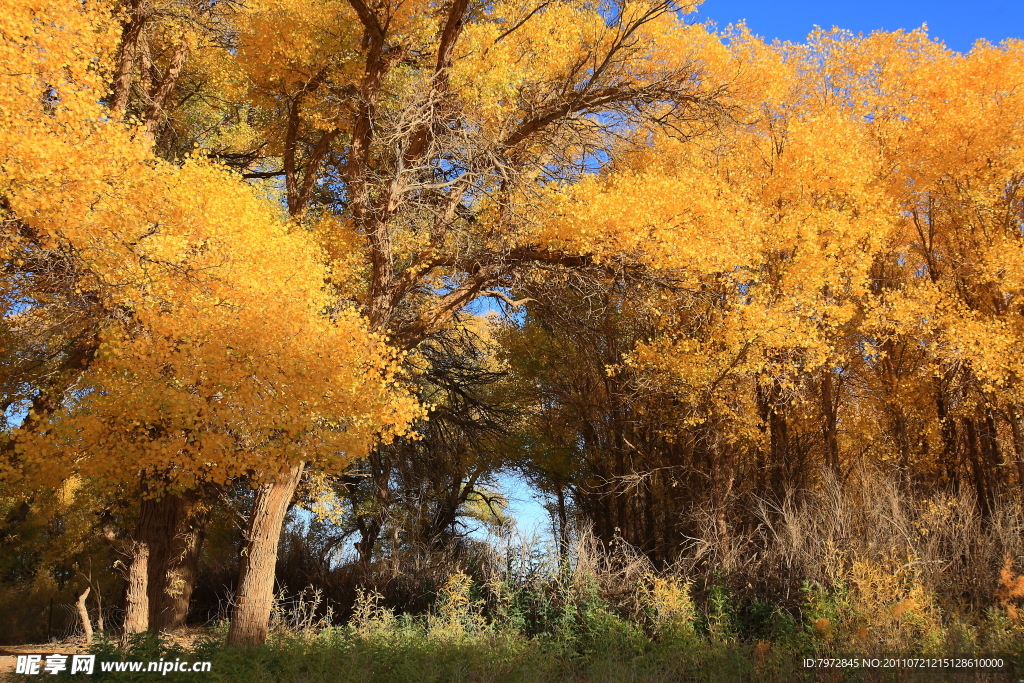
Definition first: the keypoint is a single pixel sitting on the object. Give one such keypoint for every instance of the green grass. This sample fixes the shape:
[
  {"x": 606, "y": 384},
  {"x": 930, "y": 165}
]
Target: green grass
[
  {"x": 565, "y": 632},
  {"x": 405, "y": 650}
]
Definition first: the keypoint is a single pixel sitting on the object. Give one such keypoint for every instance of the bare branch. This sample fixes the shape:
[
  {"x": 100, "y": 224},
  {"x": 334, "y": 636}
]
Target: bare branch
[
  {"x": 520, "y": 23},
  {"x": 504, "y": 297}
]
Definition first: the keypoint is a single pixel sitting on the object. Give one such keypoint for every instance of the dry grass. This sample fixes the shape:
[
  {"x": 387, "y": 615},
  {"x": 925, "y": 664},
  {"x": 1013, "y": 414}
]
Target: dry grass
[{"x": 819, "y": 536}]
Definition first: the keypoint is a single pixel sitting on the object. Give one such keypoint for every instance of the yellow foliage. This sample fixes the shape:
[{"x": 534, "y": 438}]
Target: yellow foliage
[
  {"x": 215, "y": 358},
  {"x": 889, "y": 608},
  {"x": 368, "y": 616},
  {"x": 456, "y": 614},
  {"x": 1011, "y": 587},
  {"x": 671, "y": 605}
]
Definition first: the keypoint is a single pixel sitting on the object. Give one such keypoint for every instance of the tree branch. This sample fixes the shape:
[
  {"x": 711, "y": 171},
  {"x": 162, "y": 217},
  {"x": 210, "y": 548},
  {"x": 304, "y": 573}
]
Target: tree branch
[
  {"x": 312, "y": 167},
  {"x": 155, "y": 113},
  {"x": 504, "y": 297},
  {"x": 130, "y": 35},
  {"x": 369, "y": 20}
]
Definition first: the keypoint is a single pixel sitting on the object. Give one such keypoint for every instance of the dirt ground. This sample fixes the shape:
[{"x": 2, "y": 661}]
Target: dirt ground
[
  {"x": 9, "y": 653},
  {"x": 72, "y": 646}
]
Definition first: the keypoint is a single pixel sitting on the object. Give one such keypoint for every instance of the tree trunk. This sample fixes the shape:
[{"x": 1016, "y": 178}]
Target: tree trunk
[
  {"x": 771, "y": 406},
  {"x": 99, "y": 612},
  {"x": 991, "y": 455},
  {"x": 978, "y": 470},
  {"x": 828, "y": 409},
  {"x": 149, "y": 550},
  {"x": 369, "y": 527},
  {"x": 130, "y": 36},
  {"x": 136, "y": 613},
  {"x": 563, "y": 523},
  {"x": 722, "y": 478},
  {"x": 949, "y": 437},
  {"x": 83, "y": 615},
  {"x": 255, "y": 595},
  {"x": 172, "y": 575},
  {"x": 158, "y": 522},
  {"x": 779, "y": 430},
  {"x": 763, "y": 455},
  {"x": 167, "y": 540},
  {"x": 1018, "y": 441}
]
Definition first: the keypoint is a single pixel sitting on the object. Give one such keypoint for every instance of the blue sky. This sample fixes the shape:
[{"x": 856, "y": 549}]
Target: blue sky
[
  {"x": 525, "y": 506},
  {"x": 958, "y": 24}
]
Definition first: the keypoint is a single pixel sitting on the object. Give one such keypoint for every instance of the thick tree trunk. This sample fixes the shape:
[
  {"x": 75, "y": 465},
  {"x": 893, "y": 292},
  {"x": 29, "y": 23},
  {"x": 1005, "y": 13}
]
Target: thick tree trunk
[
  {"x": 165, "y": 552},
  {"x": 136, "y": 612},
  {"x": 255, "y": 595},
  {"x": 771, "y": 404},
  {"x": 761, "y": 477},
  {"x": 371, "y": 526},
  {"x": 991, "y": 455},
  {"x": 158, "y": 522},
  {"x": 131, "y": 33},
  {"x": 172, "y": 574},
  {"x": 149, "y": 550},
  {"x": 780, "y": 452}
]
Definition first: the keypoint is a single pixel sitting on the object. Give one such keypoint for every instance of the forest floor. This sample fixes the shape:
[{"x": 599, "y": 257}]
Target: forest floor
[
  {"x": 405, "y": 654},
  {"x": 185, "y": 639},
  {"x": 9, "y": 653}
]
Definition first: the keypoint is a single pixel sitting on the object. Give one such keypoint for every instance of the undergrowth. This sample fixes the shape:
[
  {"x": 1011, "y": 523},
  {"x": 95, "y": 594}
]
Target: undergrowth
[
  {"x": 658, "y": 633},
  {"x": 882, "y": 578}
]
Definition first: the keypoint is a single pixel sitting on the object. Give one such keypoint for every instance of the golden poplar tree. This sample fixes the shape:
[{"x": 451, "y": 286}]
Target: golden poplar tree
[{"x": 186, "y": 316}]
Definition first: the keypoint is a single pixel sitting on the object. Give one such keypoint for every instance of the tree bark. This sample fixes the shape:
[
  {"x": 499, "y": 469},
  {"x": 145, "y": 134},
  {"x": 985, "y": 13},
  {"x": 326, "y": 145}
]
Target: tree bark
[
  {"x": 158, "y": 521},
  {"x": 990, "y": 450},
  {"x": 130, "y": 35},
  {"x": 255, "y": 595},
  {"x": 828, "y": 409},
  {"x": 150, "y": 551},
  {"x": 155, "y": 114},
  {"x": 136, "y": 613},
  {"x": 771, "y": 405},
  {"x": 369, "y": 527},
  {"x": 172, "y": 572},
  {"x": 722, "y": 479},
  {"x": 949, "y": 438},
  {"x": 1018, "y": 441},
  {"x": 978, "y": 470},
  {"x": 83, "y": 615},
  {"x": 99, "y": 612},
  {"x": 165, "y": 553}
]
